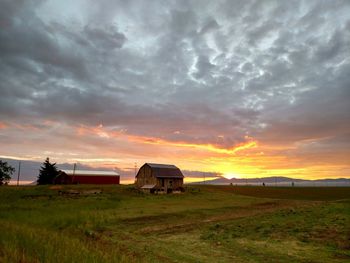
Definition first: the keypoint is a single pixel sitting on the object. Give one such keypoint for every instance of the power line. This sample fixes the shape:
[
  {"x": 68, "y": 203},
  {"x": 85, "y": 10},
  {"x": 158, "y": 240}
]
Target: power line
[{"x": 19, "y": 172}]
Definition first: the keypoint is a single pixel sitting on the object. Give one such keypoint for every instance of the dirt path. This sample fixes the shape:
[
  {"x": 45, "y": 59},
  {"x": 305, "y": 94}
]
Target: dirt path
[{"x": 236, "y": 213}]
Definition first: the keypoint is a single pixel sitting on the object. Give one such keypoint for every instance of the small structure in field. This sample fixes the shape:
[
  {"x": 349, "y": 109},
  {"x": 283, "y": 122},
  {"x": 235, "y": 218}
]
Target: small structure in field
[
  {"x": 159, "y": 178},
  {"x": 87, "y": 177}
]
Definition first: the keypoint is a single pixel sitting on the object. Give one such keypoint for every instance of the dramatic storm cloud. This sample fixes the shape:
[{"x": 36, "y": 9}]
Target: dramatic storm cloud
[{"x": 245, "y": 88}]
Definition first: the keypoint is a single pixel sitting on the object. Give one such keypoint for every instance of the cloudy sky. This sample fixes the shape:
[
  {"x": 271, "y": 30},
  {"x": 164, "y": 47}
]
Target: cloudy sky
[{"x": 240, "y": 88}]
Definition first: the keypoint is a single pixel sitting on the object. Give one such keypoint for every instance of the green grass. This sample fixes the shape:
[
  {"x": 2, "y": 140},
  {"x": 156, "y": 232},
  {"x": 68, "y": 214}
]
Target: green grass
[
  {"x": 205, "y": 224},
  {"x": 297, "y": 193}
]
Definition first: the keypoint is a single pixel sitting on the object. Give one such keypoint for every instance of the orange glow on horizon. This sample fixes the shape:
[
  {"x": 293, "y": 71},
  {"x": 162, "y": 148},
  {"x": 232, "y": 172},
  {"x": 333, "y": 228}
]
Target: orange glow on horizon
[
  {"x": 189, "y": 179},
  {"x": 101, "y": 132},
  {"x": 249, "y": 159},
  {"x": 100, "y": 146}
]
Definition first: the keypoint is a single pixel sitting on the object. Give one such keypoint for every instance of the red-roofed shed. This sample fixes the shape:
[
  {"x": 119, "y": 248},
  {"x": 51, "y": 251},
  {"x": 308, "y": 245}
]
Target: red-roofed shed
[{"x": 87, "y": 177}]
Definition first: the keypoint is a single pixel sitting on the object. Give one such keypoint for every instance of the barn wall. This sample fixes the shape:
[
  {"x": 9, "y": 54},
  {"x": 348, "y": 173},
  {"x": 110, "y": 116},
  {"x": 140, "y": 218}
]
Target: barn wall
[
  {"x": 178, "y": 183},
  {"x": 96, "y": 179},
  {"x": 144, "y": 176},
  {"x": 169, "y": 183}
]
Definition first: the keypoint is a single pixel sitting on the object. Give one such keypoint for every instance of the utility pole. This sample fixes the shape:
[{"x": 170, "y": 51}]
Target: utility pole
[
  {"x": 135, "y": 166},
  {"x": 74, "y": 167},
  {"x": 203, "y": 178},
  {"x": 19, "y": 172}
]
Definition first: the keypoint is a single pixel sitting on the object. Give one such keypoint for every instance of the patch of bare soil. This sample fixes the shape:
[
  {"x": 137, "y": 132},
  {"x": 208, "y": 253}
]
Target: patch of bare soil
[
  {"x": 56, "y": 187},
  {"x": 82, "y": 192}
]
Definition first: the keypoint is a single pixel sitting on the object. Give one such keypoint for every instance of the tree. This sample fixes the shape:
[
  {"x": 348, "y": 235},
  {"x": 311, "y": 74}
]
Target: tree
[
  {"x": 48, "y": 172},
  {"x": 6, "y": 171}
]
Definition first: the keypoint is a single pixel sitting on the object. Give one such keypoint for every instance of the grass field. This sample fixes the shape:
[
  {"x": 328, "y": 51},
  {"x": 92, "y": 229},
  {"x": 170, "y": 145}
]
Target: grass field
[{"x": 205, "y": 224}]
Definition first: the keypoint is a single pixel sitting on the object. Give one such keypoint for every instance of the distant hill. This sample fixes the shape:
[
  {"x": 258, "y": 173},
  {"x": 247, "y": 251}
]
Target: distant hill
[{"x": 279, "y": 180}]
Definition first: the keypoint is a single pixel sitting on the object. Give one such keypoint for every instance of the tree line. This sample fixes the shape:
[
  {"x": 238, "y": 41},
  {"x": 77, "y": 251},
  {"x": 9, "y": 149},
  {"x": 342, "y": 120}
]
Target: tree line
[{"x": 47, "y": 173}]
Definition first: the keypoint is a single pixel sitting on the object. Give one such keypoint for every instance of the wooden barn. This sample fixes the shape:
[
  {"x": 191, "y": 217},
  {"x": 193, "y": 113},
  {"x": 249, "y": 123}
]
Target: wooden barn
[
  {"x": 87, "y": 177},
  {"x": 154, "y": 178}
]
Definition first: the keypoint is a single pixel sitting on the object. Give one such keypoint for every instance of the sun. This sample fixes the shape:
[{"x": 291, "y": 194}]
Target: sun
[{"x": 230, "y": 175}]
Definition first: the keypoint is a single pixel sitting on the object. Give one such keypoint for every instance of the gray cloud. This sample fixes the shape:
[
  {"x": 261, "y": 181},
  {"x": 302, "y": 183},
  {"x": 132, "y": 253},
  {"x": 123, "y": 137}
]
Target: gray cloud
[
  {"x": 276, "y": 71},
  {"x": 104, "y": 38}
]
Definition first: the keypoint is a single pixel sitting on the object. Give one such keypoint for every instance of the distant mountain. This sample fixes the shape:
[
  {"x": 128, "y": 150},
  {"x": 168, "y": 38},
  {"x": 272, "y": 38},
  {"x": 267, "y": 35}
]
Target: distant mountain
[
  {"x": 254, "y": 180},
  {"x": 277, "y": 181}
]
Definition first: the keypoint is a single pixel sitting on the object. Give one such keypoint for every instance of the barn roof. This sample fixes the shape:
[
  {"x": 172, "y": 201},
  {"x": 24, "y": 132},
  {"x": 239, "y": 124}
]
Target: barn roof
[
  {"x": 165, "y": 170},
  {"x": 90, "y": 173},
  {"x": 159, "y": 165}
]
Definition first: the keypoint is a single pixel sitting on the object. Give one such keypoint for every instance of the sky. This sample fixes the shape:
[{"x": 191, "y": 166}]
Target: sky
[{"x": 234, "y": 88}]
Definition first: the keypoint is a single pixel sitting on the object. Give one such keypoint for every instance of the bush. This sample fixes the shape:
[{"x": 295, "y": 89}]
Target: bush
[{"x": 6, "y": 171}]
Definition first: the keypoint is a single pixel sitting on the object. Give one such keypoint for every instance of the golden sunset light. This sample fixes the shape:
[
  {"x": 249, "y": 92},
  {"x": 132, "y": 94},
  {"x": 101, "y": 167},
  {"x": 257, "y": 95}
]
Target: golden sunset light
[
  {"x": 230, "y": 175},
  {"x": 248, "y": 159}
]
